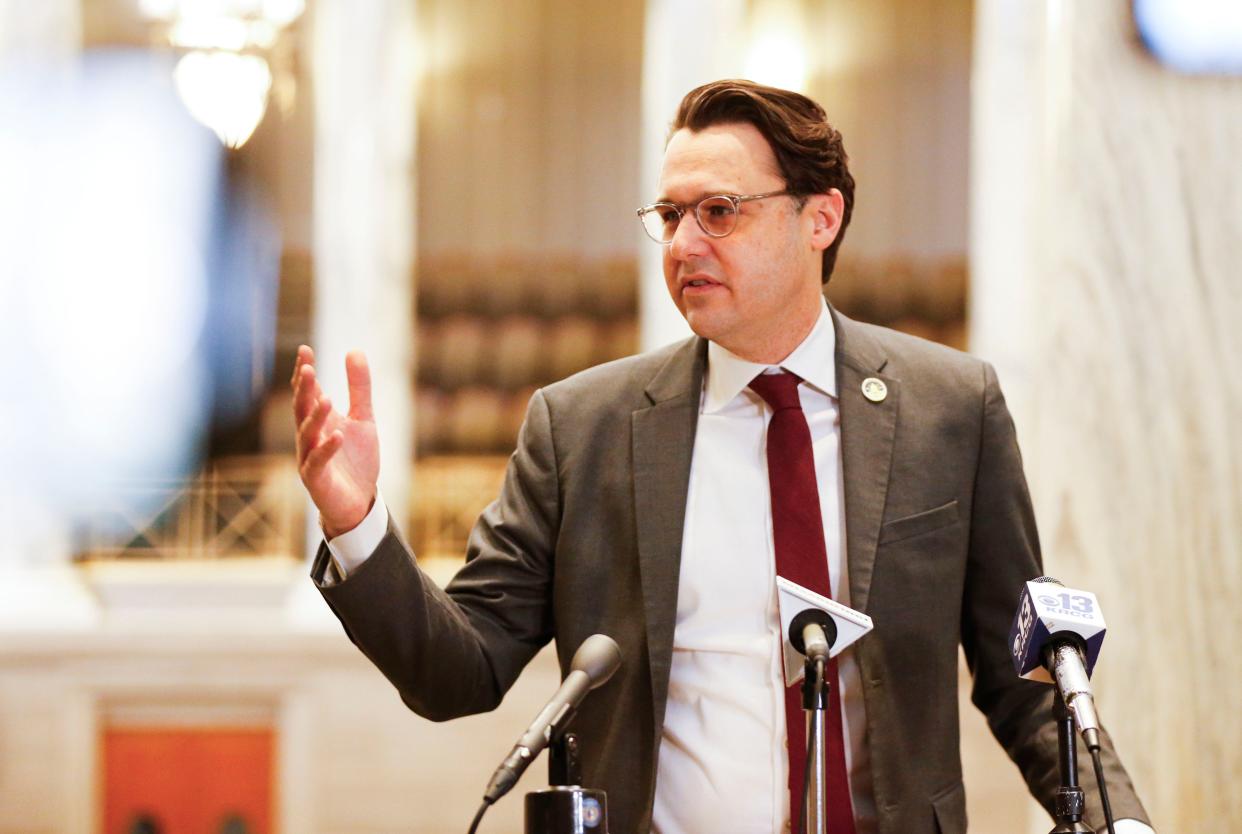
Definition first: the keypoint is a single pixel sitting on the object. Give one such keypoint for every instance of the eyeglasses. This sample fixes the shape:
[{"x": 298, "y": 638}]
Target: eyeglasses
[{"x": 717, "y": 215}]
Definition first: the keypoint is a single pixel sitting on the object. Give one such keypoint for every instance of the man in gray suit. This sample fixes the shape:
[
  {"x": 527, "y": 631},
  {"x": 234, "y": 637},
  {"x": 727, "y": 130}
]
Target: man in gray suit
[{"x": 637, "y": 505}]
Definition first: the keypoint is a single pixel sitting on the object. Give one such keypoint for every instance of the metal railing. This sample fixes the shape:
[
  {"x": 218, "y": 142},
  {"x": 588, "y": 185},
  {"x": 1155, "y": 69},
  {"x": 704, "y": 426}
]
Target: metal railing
[
  {"x": 449, "y": 493},
  {"x": 255, "y": 506},
  {"x": 251, "y": 506}
]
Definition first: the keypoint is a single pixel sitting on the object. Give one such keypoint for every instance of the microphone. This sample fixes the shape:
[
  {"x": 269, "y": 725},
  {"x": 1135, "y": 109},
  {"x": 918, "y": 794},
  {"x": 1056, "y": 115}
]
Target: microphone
[
  {"x": 1056, "y": 638},
  {"x": 594, "y": 663},
  {"x": 812, "y": 632},
  {"x": 794, "y": 601}
]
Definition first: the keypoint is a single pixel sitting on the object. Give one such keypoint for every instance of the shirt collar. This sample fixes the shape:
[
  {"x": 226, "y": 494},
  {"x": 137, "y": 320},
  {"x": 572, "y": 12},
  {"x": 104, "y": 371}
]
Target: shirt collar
[{"x": 814, "y": 360}]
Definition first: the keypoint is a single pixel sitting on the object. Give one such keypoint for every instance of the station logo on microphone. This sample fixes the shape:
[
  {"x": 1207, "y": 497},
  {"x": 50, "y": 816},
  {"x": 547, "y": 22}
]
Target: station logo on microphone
[{"x": 1047, "y": 609}]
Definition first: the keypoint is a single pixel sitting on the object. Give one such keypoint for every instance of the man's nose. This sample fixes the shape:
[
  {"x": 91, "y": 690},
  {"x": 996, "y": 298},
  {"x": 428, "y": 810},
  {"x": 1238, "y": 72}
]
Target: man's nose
[{"x": 688, "y": 240}]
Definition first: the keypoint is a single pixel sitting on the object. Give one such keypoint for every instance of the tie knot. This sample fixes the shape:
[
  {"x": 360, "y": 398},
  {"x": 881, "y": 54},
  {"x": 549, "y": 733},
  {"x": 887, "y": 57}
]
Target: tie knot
[{"x": 778, "y": 390}]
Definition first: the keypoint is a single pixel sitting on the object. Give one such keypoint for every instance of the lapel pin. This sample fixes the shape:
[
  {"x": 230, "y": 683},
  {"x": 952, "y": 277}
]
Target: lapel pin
[{"x": 874, "y": 389}]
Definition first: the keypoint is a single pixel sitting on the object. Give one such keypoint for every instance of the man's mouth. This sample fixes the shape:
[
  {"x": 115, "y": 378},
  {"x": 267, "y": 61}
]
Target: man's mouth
[{"x": 698, "y": 282}]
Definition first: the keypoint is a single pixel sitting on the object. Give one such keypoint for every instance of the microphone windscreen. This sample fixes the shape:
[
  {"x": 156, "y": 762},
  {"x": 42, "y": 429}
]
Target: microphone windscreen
[
  {"x": 599, "y": 657},
  {"x": 804, "y": 618}
]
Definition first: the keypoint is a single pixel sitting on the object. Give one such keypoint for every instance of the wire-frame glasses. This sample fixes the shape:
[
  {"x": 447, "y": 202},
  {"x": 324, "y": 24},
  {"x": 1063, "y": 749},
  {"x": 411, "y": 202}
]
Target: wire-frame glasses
[{"x": 716, "y": 215}]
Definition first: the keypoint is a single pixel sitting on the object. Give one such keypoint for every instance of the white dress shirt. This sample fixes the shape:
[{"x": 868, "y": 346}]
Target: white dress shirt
[{"x": 723, "y": 761}]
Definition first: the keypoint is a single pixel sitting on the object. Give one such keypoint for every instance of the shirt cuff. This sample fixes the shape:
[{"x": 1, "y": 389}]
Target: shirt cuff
[
  {"x": 1131, "y": 827},
  {"x": 350, "y": 549}
]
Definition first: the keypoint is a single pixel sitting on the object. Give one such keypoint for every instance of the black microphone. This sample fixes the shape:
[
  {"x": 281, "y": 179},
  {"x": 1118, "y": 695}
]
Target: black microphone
[
  {"x": 1056, "y": 638},
  {"x": 812, "y": 632},
  {"x": 594, "y": 663}
]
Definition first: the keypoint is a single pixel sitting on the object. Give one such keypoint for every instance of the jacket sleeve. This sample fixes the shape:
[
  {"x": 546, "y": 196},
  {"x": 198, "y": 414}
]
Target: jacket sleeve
[
  {"x": 456, "y": 651},
  {"x": 1004, "y": 553}
]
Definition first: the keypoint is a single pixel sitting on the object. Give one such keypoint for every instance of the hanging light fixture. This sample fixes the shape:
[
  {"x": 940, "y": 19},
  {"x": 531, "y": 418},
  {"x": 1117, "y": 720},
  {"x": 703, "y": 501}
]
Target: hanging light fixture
[
  {"x": 225, "y": 74},
  {"x": 226, "y": 91}
]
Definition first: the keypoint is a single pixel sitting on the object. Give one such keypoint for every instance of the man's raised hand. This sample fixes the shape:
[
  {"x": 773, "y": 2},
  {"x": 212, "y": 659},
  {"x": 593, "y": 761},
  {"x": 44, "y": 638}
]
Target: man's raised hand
[{"x": 338, "y": 455}]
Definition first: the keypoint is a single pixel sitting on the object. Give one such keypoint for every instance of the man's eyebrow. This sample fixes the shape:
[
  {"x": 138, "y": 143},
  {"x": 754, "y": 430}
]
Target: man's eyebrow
[{"x": 702, "y": 195}]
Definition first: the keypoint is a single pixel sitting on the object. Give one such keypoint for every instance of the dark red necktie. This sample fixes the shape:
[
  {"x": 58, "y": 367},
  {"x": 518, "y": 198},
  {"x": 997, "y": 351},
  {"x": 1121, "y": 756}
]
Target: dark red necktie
[{"x": 801, "y": 557}]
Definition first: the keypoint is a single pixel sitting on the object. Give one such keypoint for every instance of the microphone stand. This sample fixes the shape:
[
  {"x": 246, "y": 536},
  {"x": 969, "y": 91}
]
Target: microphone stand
[
  {"x": 1070, "y": 801},
  {"x": 565, "y": 807},
  {"x": 815, "y": 701}
]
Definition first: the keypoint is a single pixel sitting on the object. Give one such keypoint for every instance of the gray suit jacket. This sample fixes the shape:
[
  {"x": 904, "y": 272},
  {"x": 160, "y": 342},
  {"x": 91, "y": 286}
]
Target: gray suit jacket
[{"x": 586, "y": 536}]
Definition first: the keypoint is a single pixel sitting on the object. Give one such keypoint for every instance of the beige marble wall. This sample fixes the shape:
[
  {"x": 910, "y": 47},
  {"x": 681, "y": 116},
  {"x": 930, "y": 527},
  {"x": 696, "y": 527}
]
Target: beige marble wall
[
  {"x": 1105, "y": 244},
  {"x": 528, "y": 123}
]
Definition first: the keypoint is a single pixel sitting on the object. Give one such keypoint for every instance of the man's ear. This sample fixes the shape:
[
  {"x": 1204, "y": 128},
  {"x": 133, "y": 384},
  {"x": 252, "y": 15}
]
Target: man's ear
[{"x": 825, "y": 212}]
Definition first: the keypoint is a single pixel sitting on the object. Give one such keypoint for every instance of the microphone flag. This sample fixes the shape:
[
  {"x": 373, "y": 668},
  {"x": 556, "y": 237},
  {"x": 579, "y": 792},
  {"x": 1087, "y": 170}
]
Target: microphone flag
[{"x": 792, "y": 599}]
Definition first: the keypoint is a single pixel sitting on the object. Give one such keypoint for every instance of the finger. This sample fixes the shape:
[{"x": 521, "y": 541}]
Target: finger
[
  {"x": 305, "y": 356},
  {"x": 306, "y": 393},
  {"x": 318, "y": 458},
  {"x": 310, "y": 432},
  {"x": 359, "y": 375},
  {"x": 309, "y": 391}
]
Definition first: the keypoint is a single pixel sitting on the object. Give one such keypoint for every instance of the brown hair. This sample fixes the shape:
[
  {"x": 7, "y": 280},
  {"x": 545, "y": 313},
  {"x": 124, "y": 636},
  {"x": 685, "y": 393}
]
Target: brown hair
[{"x": 808, "y": 150}]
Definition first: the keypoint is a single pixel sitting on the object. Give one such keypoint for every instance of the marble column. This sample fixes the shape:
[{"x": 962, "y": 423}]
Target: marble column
[
  {"x": 39, "y": 588},
  {"x": 1106, "y": 199},
  {"x": 683, "y": 48},
  {"x": 364, "y": 222},
  {"x": 768, "y": 41},
  {"x": 49, "y": 31}
]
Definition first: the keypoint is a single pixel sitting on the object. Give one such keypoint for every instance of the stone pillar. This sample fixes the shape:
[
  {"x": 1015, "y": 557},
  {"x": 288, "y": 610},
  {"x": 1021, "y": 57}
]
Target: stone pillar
[
  {"x": 364, "y": 226},
  {"x": 1104, "y": 252},
  {"x": 777, "y": 42},
  {"x": 49, "y": 31},
  {"x": 683, "y": 48},
  {"x": 39, "y": 588}
]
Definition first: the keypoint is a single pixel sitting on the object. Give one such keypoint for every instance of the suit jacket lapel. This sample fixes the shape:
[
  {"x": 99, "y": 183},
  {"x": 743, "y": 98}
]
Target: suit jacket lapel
[
  {"x": 663, "y": 444},
  {"x": 867, "y": 434}
]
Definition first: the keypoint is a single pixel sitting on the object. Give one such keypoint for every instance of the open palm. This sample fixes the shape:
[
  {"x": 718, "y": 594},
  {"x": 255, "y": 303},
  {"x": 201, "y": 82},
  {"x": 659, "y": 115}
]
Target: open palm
[{"x": 337, "y": 454}]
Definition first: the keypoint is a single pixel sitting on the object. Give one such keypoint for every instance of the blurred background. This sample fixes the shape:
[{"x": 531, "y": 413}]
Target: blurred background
[{"x": 189, "y": 189}]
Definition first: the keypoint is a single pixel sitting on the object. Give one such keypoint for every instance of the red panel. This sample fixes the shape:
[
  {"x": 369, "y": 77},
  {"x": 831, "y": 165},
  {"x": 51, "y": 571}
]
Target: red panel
[{"x": 189, "y": 781}]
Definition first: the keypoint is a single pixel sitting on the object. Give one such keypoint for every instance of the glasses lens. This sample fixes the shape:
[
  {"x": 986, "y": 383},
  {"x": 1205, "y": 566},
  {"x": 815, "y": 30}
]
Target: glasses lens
[
  {"x": 660, "y": 222},
  {"x": 717, "y": 215}
]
